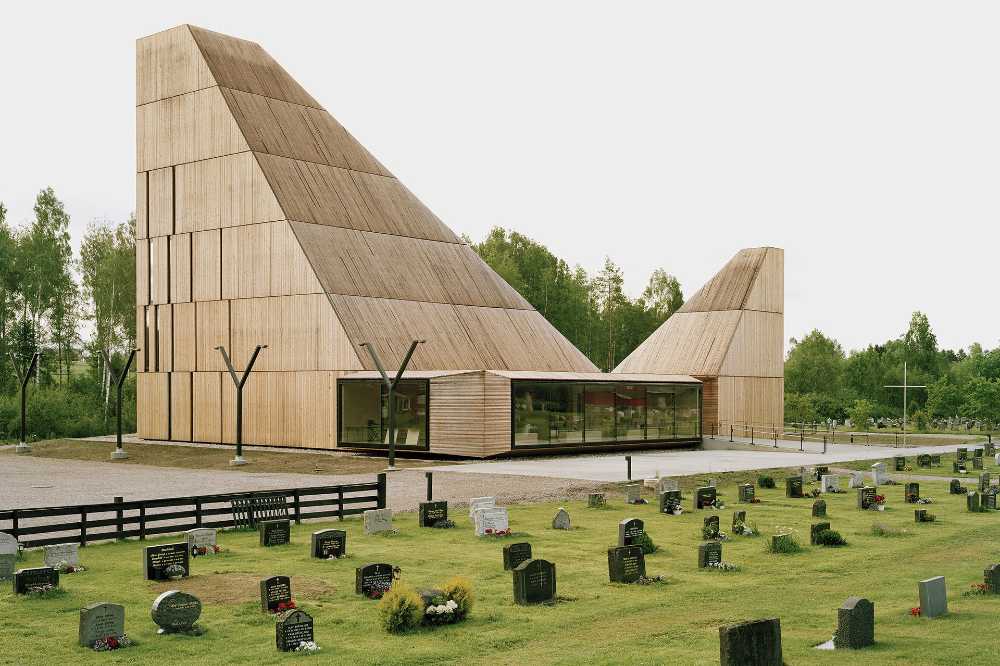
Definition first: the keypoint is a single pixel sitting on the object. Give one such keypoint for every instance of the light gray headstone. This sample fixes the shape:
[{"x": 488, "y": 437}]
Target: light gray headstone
[
  {"x": 8, "y": 555},
  {"x": 377, "y": 520},
  {"x": 201, "y": 537},
  {"x": 830, "y": 483},
  {"x": 633, "y": 492},
  {"x": 878, "y": 474},
  {"x": 62, "y": 552},
  {"x": 857, "y": 480},
  {"x": 561, "y": 520},
  {"x": 666, "y": 484},
  {"x": 492, "y": 518},
  {"x": 933, "y": 597},
  {"x": 481, "y": 503},
  {"x": 100, "y": 620}
]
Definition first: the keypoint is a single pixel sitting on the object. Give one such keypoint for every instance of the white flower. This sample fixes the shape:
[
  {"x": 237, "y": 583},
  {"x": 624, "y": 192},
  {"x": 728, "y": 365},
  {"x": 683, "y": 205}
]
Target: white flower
[
  {"x": 451, "y": 604},
  {"x": 431, "y": 610}
]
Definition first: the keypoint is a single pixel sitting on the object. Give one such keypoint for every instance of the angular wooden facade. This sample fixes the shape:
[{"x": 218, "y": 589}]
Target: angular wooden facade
[{"x": 730, "y": 334}]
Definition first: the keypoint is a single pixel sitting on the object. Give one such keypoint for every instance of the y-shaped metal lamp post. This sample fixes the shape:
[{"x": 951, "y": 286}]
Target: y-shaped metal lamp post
[
  {"x": 239, "y": 382},
  {"x": 119, "y": 452},
  {"x": 390, "y": 385},
  {"x": 23, "y": 446}
]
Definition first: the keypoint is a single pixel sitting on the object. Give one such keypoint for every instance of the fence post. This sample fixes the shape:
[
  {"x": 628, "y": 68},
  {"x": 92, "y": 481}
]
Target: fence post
[
  {"x": 824, "y": 443},
  {"x": 381, "y": 490},
  {"x": 197, "y": 513},
  {"x": 751, "y": 436},
  {"x": 802, "y": 440},
  {"x": 852, "y": 438},
  {"x": 628, "y": 467},
  {"x": 298, "y": 510},
  {"x": 142, "y": 522},
  {"x": 340, "y": 502},
  {"x": 83, "y": 527},
  {"x": 430, "y": 486},
  {"x": 118, "y": 518},
  {"x": 730, "y": 433},
  {"x": 13, "y": 520},
  {"x": 775, "y": 433}
]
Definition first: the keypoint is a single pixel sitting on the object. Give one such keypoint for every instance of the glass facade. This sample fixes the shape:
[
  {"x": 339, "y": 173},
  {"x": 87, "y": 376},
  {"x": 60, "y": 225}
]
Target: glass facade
[
  {"x": 557, "y": 413},
  {"x": 364, "y": 413}
]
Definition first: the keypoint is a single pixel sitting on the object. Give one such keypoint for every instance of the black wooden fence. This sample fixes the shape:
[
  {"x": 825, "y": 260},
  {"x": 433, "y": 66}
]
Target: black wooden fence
[{"x": 142, "y": 518}]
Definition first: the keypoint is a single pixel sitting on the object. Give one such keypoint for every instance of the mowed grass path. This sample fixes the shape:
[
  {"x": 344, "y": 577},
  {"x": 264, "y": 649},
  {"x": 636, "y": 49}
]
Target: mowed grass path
[{"x": 595, "y": 622}]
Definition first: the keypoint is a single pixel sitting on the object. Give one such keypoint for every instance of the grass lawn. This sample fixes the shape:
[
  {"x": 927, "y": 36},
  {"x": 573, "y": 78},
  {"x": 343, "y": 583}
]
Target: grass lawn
[
  {"x": 944, "y": 471},
  {"x": 595, "y": 622},
  {"x": 201, "y": 457}
]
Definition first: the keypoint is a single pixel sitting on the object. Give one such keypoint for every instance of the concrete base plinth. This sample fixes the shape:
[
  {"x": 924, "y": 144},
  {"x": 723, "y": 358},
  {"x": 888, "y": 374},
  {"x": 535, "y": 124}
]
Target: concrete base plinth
[
  {"x": 22, "y": 448},
  {"x": 391, "y": 469},
  {"x": 238, "y": 460},
  {"x": 119, "y": 454}
]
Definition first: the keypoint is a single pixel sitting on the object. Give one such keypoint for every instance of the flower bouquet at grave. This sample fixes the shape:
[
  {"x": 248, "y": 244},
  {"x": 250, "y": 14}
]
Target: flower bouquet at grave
[
  {"x": 723, "y": 566},
  {"x": 285, "y": 606},
  {"x": 977, "y": 589},
  {"x": 444, "y": 524},
  {"x": 66, "y": 568},
  {"x": 307, "y": 647},
  {"x": 718, "y": 504},
  {"x": 174, "y": 572},
  {"x": 924, "y": 500},
  {"x": 672, "y": 507},
  {"x": 915, "y": 611},
  {"x": 651, "y": 580},
  {"x": 497, "y": 533},
  {"x": 205, "y": 550},
  {"x": 112, "y": 643},
  {"x": 878, "y": 503},
  {"x": 708, "y": 534}
]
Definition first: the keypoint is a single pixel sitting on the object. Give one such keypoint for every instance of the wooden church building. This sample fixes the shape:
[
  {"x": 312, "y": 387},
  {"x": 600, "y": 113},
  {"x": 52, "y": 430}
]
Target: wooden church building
[{"x": 261, "y": 220}]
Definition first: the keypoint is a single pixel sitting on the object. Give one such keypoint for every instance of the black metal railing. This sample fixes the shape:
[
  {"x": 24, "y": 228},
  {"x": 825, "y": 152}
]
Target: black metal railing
[{"x": 142, "y": 518}]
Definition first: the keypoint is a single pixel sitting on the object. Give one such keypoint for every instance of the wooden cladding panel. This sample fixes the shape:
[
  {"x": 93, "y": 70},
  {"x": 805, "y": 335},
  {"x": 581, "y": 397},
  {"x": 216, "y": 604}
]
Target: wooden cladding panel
[
  {"x": 180, "y": 268},
  {"x": 768, "y": 291},
  {"x": 338, "y": 197},
  {"x": 360, "y": 263},
  {"x": 159, "y": 270},
  {"x": 212, "y": 330},
  {"x": 185, "y": 357},
  {"x": 757, "y": 347},
  {"x": 689, "y": 343},
  {"x": 299, "y": 132},
  {"x": 246, "y": 261},
  {"x": 168, "y": 64},
  {"x": 496, "y": 418},
  {"x": 283, "y": 409},
  {"x": 141, "y": 222},
  {"x": 186, "y": 128},
  {"x": 729, "y": 288},
  {"x": 225, "y": 191},
  {"x": 141, "y": 271},
  {"x": 140, "y": 339},
  {"x": 291, "y": 272},
  {"x": 180, "y": 406},
  {"x": 457, "y": 413},
  {"x": 206, "y": 406},
  {"x": 165, "y": 338},
  {"x": 758, "y": 401},
  {"x": 244, "y": 65},
  {"x": 153, "y": 394},
  {"x": 206, "y": 265},
  {"x": 161, "y": 202},
  {"x": 710, "y": 405}
]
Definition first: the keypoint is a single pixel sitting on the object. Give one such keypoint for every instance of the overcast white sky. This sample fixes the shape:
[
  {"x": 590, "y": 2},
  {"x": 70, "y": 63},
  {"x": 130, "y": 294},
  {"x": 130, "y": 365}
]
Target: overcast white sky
[{"x": 862, "y": 137}]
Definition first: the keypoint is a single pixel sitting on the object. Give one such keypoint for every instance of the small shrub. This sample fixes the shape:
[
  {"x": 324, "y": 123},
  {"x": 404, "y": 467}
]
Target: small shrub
[
  {"x": 883, "y": 530},
  {"x": 830, "y": 538},
  {"x": 764, "y": 481},
  {"x": 646, "y": 543},
  {"x": 787, "y": 546},
  {"x": 459, "y": 590},
  {"x": 401, "y": 608}
]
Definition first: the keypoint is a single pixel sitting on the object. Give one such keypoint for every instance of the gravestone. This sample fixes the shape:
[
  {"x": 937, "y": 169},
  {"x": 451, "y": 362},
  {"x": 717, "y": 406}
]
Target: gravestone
[
  {"x": 920, "y": 516},
  {"x": 534, "y": 582},
  {"x": 8, "y": 555},
  {"x": 292, "y": 629},
  {"x": 561, "y": 520},
  {"x": 911, "y": 492},
  {"x": 815, "y": 529},
  {"x": 819, "y": 509},
  {"x": 747, "y": 493},
  {"x": 855, "y": 624},
  {"x": 991, "y": 578},
  {"x": 990, "y": 498},
  {"x": 176, "y": 612},
  {"x": 432, "y": 512},
  {"x": 923, "y": 462},
  {"x": 704, "y": 497},
  {"x": 710, "y": 528},
  {"x": 984, "y": 482},
  {"x": 900, "y": 462},
  {"x": 68, "y": 553},
  {"x": 633, "y": 493},
  {"x": 857, "y": 480},
  {"x": 666, "y": 483},
  {"x": 878, "y": 474},
  {"x": 481, "y": 503},
  {"x": 491, "y": 521},
  {"x": 973, "y": 502},
  {"x": 158, "y": 559},
  {"x": 962, "y": 454},
  {"x": 830, "y": 483},
  {"x": 35, "y": 580},
  {"x": 977, "y": 463},
  {"x": 935, "y": 460},
  {"x": 626, "y": 564},
  {"x": 990, "y": 448},
  {"x": 274, "y": 592},
  {"x": 377, "y": 520},
  {"x": 629, "y": 531},
  {"x": 955, "y": 487},
  {"x": 804, "y": 475},
  {"x": 514, "y": 554},
  {"x": 200, "y": 538},
  {"x": 274, "y": 532},
  {"x": 373, "y": 580},
  {"x": 933, "y": 597},
  {"x": 101, "y": 620},
  {"x": 597, "y": 500},
  {"x": 670, "y": 500},
  {"x": 739, "y": 521},
  {"x": 328, "y": 543},
  {"x": 793, "y": 486},
  {"x": 866, "y": 497},
  {"x": 819, "y": 471},
  {"x": 977, "y": 453},
  {"x": 753, "y": 643},
  {"x": 709, "y": 552}
]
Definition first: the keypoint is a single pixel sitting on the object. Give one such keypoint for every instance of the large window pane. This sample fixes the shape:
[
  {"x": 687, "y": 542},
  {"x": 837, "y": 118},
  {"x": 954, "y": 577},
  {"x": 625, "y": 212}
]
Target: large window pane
[
  {"x": 364, "y": 413},
  {"x": 411, "y": 414},
  {"x": 548, "y": 413},
  {"x": 660, "y": 402},
  {"x": 630, "y": 405},
  {"x": 600, "y": 411},
  {"x": 360, "y": 421},
  {"x": 688, "y": 417}
]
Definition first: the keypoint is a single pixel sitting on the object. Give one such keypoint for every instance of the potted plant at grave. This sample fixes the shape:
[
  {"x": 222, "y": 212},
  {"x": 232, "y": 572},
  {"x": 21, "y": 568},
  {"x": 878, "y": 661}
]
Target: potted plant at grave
[
  {"x": 878, "y": 503},
  {"x": 448, "y": 605},
  {"x": 285, "y": 606},
  {"x": 112, "y": 643}
]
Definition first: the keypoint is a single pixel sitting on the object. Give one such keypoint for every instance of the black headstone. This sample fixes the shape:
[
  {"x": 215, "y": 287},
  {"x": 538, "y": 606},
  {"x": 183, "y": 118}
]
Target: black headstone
[
  {"x": 962, "y": 454},
  {"x": 626, "y": 564},
  {"x": 977, "y": 463},
  {"x": 709, "y": 553},
  {"x": 866, "y": 497},
  {"x": 747, "y": 492},
  {"x": 669, "y": 501},
  {"x": 900, "y": 463},
  {"x": 711, "y": 528},
  {"x": 373, "y": 580},
  {"x": 819, "y": 509},
  {"x": 820, "y": 471},
  {"x": 920, "y": 515},
  {"x": 292, "y": 629},
  {"x": 753, "y": 643},
  {"x": 739, "y": 520},
  {"x": 923, "y": 460},
  {"x": 515, "y": 553},
  {"x": 35, "y": 580},
  {"x": 157, "y": 559},
  {"x": 274, "y": 532},
  {"x": 704, "y": 497},
  {"x": 432, "y": 512},
  {"x": 629, "y": 530},
  {"x": 534, "y": 582},
  {"x": 911, "y": 492},
  {"x": 990, "y": 500},
  {"x": 793, "y": 486},
  {"x": 855, "y": 624},
  {"x": 991, "y": 577},
  {"x": 815, "y": 529},
  {"x": 955, "y": 487},
  {"x": 328, "y": 543},
  {"x": 275, "y": 591},
  {"x": 973, "y": 501}
]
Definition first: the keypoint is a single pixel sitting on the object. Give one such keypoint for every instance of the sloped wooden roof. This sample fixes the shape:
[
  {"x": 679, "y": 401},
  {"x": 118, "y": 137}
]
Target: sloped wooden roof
[{"x": 392, "y": 270}]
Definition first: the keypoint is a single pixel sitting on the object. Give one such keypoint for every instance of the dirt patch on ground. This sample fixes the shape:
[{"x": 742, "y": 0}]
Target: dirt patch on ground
[{"x": 239, "y": 588}]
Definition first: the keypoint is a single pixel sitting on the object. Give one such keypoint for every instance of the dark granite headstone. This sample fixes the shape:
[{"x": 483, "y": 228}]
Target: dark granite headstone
[
  {"x": 157, "y": 559},
  {"x": 709, "y": 553},
  {"x": 626, "y": 564},
  {"x": 991, "y": 577},
  {"x": 373, "y": 580},
  {"x": 597, "y": 500},
  {"x": 962, "y": 454},
  {"x": 328, "y": 543},
  {"x": 753, "y": 643},
  {"x": 175, "y": 611},
  {"x": 819, "y": 509},
  {"x": 855, "y": 624},
  {"x": 923, "y": 461},
  {"x": 793, "y": 486},
  {"x": 958, "y": 467},
  {"x": 514, "y": 554},
  {"x": 977, "y": 462},
  {"x": 866, "y": 497},
  {"x": 274, "y": 532},
  {"x": 704, "y": 497},
  {"x": 432, "y": 512},
  {"x": 819, "y": 471},
  {"x": 275, "y": 591},
  {"x": 900, "y": 463},
  {"x": 955, "y": 487},
  {"x": 990, "y": 500},
  {"x": 669, "y": 501},
  {"x": 920, "y": 516},
  {"x": 747, "y": 493},
  {"x": 815, "y": 529},
  {"x": 629, "y": 530},
  {"x": 911, "y": 492},
  {"x": 101, "y": 620},
  {"x": 293, "y": 628},
  {"x": 977, "y": 453},
  {"x": 935, "y": 460},
  {"x": 534, "y": 582},
  {"x": 711, "y": 527},
  {"x": 984, "y": 482},
  {"x": 35, "y": 580},
  {"x": 739, "y": 520},
  {"x": 973, "y": 501}
]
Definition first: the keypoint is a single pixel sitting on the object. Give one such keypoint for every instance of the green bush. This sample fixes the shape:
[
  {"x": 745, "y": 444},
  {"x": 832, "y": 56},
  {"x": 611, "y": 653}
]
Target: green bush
[
  {"x": 459, "y": 590},
  {"x": 401, "y": 608},
  {"x": 645, "y": 542},
  {"x": 73, "y": 409},
  {"x": 830, "y": 538},
  {"x": 787, "y": 546},
  {"x": 764, "y": 481}
]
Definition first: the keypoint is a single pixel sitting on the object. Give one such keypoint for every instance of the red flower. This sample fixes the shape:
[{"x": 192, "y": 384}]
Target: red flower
[
  {"x": 216, "y": 549},
  {"x": 915, "y": 612},
  {"x": 112, "y": 642}
]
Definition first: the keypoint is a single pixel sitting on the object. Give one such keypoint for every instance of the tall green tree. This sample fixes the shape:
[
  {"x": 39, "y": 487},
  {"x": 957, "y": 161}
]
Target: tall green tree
[{"x": 815, "y": 364}]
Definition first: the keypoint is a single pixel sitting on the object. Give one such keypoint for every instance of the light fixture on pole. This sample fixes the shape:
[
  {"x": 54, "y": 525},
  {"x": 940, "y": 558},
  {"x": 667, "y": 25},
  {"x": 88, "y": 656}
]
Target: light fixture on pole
[
  {"x": 390, "y": 385},
  {"x": 23, "y": 446},
  {"x": 239, "y": 382},
  {"x": 119, "y": 452}
]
